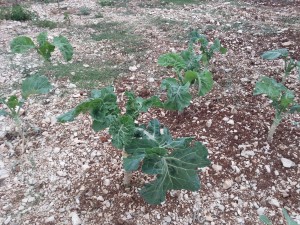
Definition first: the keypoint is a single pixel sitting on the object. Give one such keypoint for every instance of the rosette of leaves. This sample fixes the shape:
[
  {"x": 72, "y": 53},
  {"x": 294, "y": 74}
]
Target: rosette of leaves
[
  {"x": 282, "y": 100},
  {"x": 174, "y": 162},
  {"x": 289, "y": 63},
  {"x": 191, "y": 67},
  {"x": 44, "y": 48}
]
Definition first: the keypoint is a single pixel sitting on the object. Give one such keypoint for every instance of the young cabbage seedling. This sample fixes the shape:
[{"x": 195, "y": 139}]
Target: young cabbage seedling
[
  {"x": 282, "y": 100},
  {"x": 289, "y": 221},
  {"x": 44, "y": 48},
  {"x": 289, "y": 63},
  {"x": 30, "y": 86},
  {"x": 191, "y": 67},
  {"x": 150, "y": 148}
]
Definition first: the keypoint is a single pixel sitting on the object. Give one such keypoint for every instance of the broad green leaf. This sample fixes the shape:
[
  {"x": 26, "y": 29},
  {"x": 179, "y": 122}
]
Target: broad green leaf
[
  {"x": 132, "y": 162},
  {"x": 42, "y": 38},
  {"x": 122, "y": 130},
  {"x": 205, "y": 82},
  {"x": 102, "y": 106},
  {"x": 35, "y": 85},
  {"x": 274, "y": 54},
  {"x": 178, "y": 95},
  {"x": 68, "y": 116},
  {"x": 295, "y": 108},
  {"x": 288, "y": 219},
  {"x": 151, "y": 140},
  {"x": 265, "y": 220},
  {"x": 12, "y": 102},
  {"x": 45, "y": 50},
  {"x": 3, "y": 112},
  {"x": 64, "y": 46},
  {"x": 177, "y": 170},
  {"x": 21, "y": 44},
  {"x": 286, "y": 99},
  {"x": 190, "y": 76},
  {"x": 269, "y": 87},
  {"x": 191, "y": 60},
  {"x": 173, "y": 60}
]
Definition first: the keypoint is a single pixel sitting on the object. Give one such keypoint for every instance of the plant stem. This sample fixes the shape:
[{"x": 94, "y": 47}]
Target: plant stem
[
  {"x": 127, "y": 175},
  {"x": 276, "y": 121}
]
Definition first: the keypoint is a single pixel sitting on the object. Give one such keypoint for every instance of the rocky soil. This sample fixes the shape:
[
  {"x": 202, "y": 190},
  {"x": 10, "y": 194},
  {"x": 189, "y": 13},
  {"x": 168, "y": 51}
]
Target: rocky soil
[{"x": 72, "y": 175}]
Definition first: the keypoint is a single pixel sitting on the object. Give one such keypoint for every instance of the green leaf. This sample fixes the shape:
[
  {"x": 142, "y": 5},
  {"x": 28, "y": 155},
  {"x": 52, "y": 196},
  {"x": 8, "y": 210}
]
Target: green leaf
[
  {"x": 205, "y": 82},
  {"x": 21, "y": 44},
  {"x": 177, "y": 170},
  {"x": 288, "y": 219},
  {"x": 35, "y": 85},
  {"x": 286, "y": 99},
  {"x": 269, "y": 87},
  {"x": 131, "y": 163},
  {"x": 68, "y": 116},
  {"x": 64, "y": 46},
  {"x": 191, "y": 60},
  {"x": 45, "y": 50},
  {"x": 265, "y": 220},
  {"x": 178, "y": 95},
  {"x": 102, "y": 106},
  {"x": 3, "y": 112},
  {"x": 42, "y": 38},
  {"x": 122, "y": 130},
  {"x": 173, "y": 60},
  {"x": 12, "y": 102},
  {"x": 216, "y": 46},
  {"x": 190, "y": 76},
  {"x": 274, "y": 54},
  {"x": 135, "y": 105},
  {"x": 295, "y": 108},
  {"x": 223, "y": 50}
]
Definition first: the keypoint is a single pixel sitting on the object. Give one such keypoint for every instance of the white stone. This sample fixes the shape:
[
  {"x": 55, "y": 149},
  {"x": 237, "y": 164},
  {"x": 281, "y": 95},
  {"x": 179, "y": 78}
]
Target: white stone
[
  {"x": 231, "y": 122},
  {"x": 217, "y": 167},
  {"x": 227, "y": 184},
  {"x": 151, "y": 79},
  {"x": 75, "y": 219},
  {"x": 260, "y": 211},
  {"x": 247, "y": 153},
  {"x": 71, "y": 85},
  {"x": 209, "y": 122},
  {"x": 50, "y": 219},
  {"x": 86, "y": 65},
  {"x": 268, "y": 168},
  {"x": 274, "y": 202},
  {"x": 168, "y": 219},
  {"x": 3, "y": 174},
  {"x": 287, "y": 163},
  {"x": 106, "y": 182},
  {"x": 61, "y": 173},
  {"x": 133, "y": 68}
]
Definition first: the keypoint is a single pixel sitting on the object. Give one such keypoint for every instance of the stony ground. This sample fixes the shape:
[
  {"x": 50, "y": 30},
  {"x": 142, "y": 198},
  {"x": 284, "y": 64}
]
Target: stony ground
[{"x": 71, "y": 175}]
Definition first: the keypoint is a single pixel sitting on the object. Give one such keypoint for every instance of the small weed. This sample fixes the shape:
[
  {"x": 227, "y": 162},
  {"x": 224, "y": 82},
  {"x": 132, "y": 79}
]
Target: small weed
[
  {"x": 16, "y": 13},
  {"x": 99, "y": 15},
  {"x": 45, "y": 24},
  {"x": 107, "y": 2},
  {"x": 178, "y": 2},
  {"x": 85, "y": 11},
  {"x": 291, "y": 19}
]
